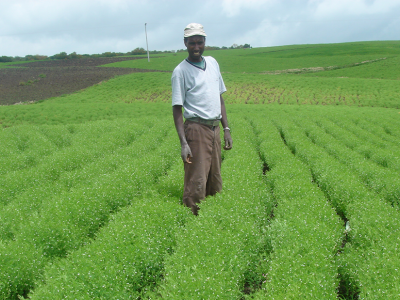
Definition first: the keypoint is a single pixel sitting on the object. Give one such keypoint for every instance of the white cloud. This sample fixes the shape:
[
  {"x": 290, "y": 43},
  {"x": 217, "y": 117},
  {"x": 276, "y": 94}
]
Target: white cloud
[
  {"x": 329, "y": 8},
  {"x": 96, "y": 26},
  {"x": 233, "y": 8}
]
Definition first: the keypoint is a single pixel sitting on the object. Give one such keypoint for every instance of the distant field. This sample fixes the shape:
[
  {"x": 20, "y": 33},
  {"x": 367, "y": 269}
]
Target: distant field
[
  {"x": 91, "y": 184},
  {"x": 302, "y": 74},
  {"x": 383, "y": 69},
  {"x": 258, "y": 60}
]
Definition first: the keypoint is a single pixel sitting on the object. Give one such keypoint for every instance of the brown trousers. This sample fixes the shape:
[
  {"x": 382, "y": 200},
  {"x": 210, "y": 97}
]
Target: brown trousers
[{"x": 203, "y": 175}]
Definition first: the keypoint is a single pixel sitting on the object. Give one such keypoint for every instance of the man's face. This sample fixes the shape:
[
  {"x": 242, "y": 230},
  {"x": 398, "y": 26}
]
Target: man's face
[{"x": 195, "y": 47}]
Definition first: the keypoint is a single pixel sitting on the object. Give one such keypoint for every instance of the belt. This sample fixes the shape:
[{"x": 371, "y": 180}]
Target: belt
[{"x": 213, "y": 123}]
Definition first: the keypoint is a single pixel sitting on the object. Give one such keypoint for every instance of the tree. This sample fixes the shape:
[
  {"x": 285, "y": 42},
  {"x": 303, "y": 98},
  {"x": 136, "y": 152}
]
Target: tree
[
  {"x": 5, "y": 59},
  {"x": 29, "y": 57},
  {"x": 61, "y": 55},
  {"x": 109, "y": 54},
  {"x": 138, "y": 51},
  {"x": 73, "y": 55}
]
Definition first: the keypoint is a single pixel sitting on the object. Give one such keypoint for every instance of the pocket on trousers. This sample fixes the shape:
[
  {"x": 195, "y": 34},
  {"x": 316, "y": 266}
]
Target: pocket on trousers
[{"x": 189, "y": 132}]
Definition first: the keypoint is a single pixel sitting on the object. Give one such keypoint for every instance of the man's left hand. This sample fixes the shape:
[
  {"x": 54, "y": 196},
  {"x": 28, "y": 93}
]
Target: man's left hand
[{"x": 228, "y": 140}]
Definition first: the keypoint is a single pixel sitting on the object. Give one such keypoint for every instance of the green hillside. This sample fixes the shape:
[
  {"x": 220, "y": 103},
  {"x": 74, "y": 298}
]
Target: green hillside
[
  {"x": 258, "y": 60},
  {"x": 308, "y": 74}
]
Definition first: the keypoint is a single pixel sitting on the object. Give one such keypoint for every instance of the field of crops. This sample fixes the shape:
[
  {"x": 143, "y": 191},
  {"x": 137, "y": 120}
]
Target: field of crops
[
  {"x": 357, "y": 74},
  {"x": 91, "y": 185}
]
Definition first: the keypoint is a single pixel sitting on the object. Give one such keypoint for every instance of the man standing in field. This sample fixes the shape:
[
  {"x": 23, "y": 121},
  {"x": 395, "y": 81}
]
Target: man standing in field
[{"x": 197, "y": 86}]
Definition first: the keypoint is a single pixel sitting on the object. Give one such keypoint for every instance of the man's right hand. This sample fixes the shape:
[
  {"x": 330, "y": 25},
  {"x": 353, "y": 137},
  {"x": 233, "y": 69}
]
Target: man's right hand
[{"x": 186, "y": 154}]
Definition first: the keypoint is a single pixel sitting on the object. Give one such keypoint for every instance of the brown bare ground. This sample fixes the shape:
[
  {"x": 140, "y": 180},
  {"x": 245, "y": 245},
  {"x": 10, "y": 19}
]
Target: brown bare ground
[{"x": 40, "y": 80}]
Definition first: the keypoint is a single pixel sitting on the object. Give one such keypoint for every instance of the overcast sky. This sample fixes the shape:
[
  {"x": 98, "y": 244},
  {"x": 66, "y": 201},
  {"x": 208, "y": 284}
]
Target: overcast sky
[{"x": 49, "y": 27}]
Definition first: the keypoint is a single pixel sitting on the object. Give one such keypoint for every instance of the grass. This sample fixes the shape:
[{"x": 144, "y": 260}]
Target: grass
[
  {"x": 259, "y": 60},
  {"x": 383, "y": 69},
  {"x": 12, "y": 64}
]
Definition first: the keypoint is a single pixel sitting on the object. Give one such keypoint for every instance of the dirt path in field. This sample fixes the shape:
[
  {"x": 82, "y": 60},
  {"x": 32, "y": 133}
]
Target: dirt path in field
[{"x": 40, "y": 80}]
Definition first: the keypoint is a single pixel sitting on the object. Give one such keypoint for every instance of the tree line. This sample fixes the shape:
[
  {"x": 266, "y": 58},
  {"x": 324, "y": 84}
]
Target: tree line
[{"x": 136, "y": 51}]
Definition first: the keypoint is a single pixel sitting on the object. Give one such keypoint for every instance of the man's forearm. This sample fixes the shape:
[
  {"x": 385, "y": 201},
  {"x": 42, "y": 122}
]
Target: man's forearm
[
  {"x": 224, "y": 119},
  {"x": 186, "y": 153},
  {"x": 178, "y": 120}
]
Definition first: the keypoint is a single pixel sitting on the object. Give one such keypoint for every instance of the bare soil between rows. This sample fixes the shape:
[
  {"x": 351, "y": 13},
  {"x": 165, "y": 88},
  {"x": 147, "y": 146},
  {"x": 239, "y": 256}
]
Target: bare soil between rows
[{"x": 40, "y": 80}]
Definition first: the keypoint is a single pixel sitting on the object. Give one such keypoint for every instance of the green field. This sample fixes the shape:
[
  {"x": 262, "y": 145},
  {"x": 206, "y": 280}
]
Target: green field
[{"x": 91, "y": 184}]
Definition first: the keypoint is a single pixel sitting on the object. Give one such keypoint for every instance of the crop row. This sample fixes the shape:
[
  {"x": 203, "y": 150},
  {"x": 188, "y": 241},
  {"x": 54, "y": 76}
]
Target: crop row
[
  {"x": 368, "y": 262},
  {"x": 74, "y": 165},
  {"x": 377, "y": 126},
  {"x": 369, "y": 145},
  {"x": 29, "y": 147},
  {"x": 220, "y": 254},
  {"x": 305, "y": 232},
  {"x": 381, "y": 126},
  {"x": 383, "y": 181},
  {"x": 126, "y": 259},
  {"x": 82, "y": 107},
  {"x": 66, "y": 221}
]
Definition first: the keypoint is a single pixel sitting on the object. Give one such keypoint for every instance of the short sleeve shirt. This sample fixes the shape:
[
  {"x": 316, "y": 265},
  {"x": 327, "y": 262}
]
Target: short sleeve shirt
[{"x": 198, "y": 90}]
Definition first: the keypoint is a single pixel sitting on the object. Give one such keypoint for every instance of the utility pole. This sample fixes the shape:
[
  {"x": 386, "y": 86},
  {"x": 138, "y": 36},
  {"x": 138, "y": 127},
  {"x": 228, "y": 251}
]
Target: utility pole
[{"x": 145, "y": 30}]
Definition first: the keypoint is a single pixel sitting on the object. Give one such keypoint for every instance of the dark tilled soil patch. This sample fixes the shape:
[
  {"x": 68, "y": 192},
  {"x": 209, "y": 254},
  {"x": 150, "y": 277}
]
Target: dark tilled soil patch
[
  {"x": 79, "y": 62},
  {"x": 41, "y": 80}
]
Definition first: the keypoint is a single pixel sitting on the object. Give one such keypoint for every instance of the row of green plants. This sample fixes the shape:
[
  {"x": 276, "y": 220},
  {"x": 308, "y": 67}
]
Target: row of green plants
[
  {"x": 55, "y": 221},
  {"x": 126, "y": 259},
  {"x": 305, "y": 231},
  {"x": 368, "y": 262},
  {"x": 371, "y": 146},
  {"x": 221, "y": 254},
  {"x": 383, "y": 181},
  {"x": 76, "y": 165},
  {"x": 375, "y": 136},
  {"x": 357, "y": 137},
  {"x": 40, "y": 156},
  {"x": 86, "y": 106},
  {"x": 381, "y": 124}
]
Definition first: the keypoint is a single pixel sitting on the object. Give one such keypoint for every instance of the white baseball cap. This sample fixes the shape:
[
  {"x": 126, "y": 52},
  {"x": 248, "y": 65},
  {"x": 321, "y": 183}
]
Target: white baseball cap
[{"x": 194, "y": 29}]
